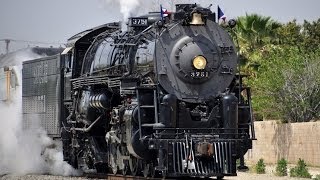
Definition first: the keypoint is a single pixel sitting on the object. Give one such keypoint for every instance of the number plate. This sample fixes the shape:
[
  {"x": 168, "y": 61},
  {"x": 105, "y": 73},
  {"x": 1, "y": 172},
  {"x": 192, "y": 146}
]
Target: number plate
[
  {"x": 139, "y": 22},
  {"x": 199, "y": 74}
]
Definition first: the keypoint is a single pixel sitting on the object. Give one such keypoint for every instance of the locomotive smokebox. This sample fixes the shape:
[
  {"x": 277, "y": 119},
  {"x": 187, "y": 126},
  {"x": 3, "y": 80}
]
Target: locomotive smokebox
[{"x": 229, "y": 114}]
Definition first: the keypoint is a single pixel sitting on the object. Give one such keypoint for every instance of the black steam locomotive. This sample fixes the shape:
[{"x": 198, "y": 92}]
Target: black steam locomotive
[{"x": 162, "y": 98}]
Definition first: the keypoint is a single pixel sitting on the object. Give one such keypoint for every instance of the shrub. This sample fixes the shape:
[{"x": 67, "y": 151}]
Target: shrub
[
  {"x": 281, "y": 169},
  {"x": 317, "y": 177},
  {"x": 260, "y": 167},
  {"x": 300, "y": 170},
  {"x": 238, "y": 162}
]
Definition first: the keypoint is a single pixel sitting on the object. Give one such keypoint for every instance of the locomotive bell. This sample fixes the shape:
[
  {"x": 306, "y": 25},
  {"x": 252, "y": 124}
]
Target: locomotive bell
[{"x": 197, "y": 19}]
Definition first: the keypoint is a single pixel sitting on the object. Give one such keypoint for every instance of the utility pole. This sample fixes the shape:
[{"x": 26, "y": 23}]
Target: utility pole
[{"x": 7, "y": 41}]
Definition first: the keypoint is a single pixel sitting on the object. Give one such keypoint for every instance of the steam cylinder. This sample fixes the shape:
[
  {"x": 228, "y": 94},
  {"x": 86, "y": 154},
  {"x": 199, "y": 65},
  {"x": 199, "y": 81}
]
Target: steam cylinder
[{"x": 99, "y": 101}]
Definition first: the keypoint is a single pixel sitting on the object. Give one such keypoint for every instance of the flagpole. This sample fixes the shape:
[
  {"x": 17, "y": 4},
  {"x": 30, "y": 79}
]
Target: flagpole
[
  {"x": 161, "y": 13},
  {"x": 218, "y": 15},
  {"x": 221, "y": 14}
]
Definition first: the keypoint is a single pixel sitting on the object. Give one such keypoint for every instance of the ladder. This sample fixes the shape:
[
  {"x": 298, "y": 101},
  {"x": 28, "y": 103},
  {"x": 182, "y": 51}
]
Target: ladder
[
  {"x": 248, "y": 105},
  {"x": 154, "y": 106}
]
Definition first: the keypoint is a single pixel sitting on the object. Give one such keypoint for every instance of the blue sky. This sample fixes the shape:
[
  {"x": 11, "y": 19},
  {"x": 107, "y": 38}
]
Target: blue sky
[{"x": 57, "y": 20}]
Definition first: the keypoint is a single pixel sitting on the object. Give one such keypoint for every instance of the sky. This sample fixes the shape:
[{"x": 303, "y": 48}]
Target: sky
[{"x": 54, "y": 21}]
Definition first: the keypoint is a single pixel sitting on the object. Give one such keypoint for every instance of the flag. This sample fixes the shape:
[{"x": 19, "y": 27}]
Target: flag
[
  {"x": 221, "y": 14},
  {"x": 164, "y": 12}
]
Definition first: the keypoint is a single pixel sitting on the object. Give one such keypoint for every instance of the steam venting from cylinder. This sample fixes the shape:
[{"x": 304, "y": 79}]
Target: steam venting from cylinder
[{"x": 26, "y": 151}]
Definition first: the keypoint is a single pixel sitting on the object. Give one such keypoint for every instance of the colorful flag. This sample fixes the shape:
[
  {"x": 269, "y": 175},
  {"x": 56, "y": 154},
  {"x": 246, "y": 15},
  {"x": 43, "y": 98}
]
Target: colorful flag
[
  {"x": 164, "y": 12},
  {"x": 221, "y": 14}
]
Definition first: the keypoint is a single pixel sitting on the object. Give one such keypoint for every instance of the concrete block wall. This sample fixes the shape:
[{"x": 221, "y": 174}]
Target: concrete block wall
[{"x": 290, "y": 141}]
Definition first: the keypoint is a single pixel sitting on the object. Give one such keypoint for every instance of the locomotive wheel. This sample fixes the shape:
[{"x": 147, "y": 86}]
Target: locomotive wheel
[
  {"x": 114, "y": 167},
  {"x": 73, "y": 159},
  {"x": 113, "y": 159},
  {"x": 101, "y": 168},
  {"x": 149, "y": 170},
  {"x": 135, "y": 166},
  {"x": 164, "y": 174},
  {"x": 220, "y": 177},
  {"x": 126, "y": 168},
  {"x": 153, "y": 172},
  {"x": 146, "y": 169}
]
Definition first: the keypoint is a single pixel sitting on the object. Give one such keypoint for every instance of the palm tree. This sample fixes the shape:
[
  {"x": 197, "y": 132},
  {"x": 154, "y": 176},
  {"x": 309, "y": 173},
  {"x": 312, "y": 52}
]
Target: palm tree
[
  {"x": 252, "y": 34},
  {"x": 253, "y": 31}
]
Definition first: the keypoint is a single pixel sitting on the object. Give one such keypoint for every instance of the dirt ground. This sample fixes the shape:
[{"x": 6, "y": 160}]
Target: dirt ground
[
  {"x": 241, "y": 175},
  {"x": 270, "y": 174}
]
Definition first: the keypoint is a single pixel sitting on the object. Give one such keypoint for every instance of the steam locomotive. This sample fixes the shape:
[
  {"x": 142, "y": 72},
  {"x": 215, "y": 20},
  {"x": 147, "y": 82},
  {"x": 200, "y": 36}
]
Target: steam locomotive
[{"x": 162, "y": 98}]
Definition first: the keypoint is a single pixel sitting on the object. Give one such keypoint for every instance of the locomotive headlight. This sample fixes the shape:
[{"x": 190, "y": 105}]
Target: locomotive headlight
[{"x": 199, "y": 62}]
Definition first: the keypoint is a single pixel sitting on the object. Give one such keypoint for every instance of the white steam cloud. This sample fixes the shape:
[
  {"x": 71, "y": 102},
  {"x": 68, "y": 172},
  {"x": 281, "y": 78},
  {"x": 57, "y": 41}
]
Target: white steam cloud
[
  {"x": 22, "y": 151},
  {"x": 127, "y": 6}
]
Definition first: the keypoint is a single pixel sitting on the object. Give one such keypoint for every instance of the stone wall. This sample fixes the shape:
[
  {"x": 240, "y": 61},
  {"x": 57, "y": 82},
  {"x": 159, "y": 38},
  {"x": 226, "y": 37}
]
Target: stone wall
[{"x": 289, "y": 141}]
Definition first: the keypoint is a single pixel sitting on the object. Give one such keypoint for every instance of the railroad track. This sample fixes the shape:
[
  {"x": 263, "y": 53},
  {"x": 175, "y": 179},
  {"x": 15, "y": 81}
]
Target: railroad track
[
  {"x": 117, "y": 177},
  {"x": 128, "y": 177},
  {"x": 88, "y": 176}
]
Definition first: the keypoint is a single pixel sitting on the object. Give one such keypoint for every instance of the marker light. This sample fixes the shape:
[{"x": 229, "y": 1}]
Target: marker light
[{"x": 199, "y": 62}]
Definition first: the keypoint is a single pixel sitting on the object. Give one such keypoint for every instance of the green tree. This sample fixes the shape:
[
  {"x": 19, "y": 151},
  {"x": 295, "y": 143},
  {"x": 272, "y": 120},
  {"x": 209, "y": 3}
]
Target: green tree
[
  {"x": 252, "y": 34},
  {"x": 286, "y": 84},
  {"x": 289, "y": 34},
  {"x": 282, "y": 60},
  {"x": 305, "y": 36},
  {"x": 311, "y": 34}
]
